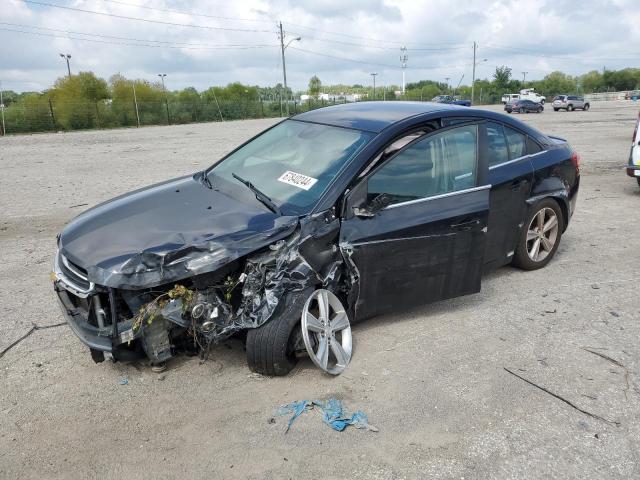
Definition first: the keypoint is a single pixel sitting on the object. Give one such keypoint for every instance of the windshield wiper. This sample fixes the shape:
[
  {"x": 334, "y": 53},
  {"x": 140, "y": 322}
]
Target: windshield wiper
[{"x": 259, "y": 195}]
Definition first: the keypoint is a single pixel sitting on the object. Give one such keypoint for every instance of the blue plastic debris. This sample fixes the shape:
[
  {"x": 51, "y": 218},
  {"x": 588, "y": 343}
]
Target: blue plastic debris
[
  {"x": 123, "y": 381},
  {"x": 332, "y": 414}
]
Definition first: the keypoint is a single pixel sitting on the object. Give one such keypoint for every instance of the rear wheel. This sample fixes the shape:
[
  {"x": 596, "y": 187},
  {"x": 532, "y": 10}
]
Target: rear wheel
[
  {"x": 556, "y": 109},
  {"x": 539, "y": 241},
  {"x": 570, "y": 108},
  {"x": 522, "y": 110},
  {"x": 540, "y": 109},
  {"x": 586, "y": 107},
  {"x": 638, "y": 179}
]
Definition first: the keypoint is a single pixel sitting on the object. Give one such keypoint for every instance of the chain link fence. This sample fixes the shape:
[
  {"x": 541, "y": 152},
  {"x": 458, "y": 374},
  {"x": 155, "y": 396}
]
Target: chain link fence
[{"x": 44, "y": 114}]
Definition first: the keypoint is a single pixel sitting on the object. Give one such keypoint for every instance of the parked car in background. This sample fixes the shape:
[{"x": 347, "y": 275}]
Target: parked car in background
[
  {"x": 525, "y": 94},
  {"x": 633, "y": 169},
  {"x": 451, "y": 100},
  {"x": 523, "y": 106},
  {"x": 569, "y": 103},
  {"x": 329, "y": 217}
]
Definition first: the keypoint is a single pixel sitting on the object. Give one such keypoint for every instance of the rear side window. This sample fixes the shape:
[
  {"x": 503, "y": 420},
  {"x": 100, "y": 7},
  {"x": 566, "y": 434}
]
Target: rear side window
[
  {"x": 497, "y": 144},
  {"x": 441, "y": 163},
  {"x": 516, "y": 143}
]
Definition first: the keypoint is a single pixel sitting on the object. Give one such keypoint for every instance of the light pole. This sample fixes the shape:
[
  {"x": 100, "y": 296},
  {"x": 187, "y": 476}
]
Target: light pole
[
  {"x": 524, "y": 77},
  {"x": 473, "y": 78},
  {"x": 403, "y": 63},
  {"x": 447, "y": 80},
  {"x": 67, "y": 57},
  {"x": 374, "y": 84},
  {"x": 283, "y": 47},
  {"x": 166, "y": 102}
]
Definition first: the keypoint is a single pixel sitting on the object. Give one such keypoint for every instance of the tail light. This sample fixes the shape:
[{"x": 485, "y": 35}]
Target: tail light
[{"x": 575, "y": 160}]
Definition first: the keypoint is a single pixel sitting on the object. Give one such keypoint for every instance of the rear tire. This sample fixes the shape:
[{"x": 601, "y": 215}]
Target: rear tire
[
  {"x": 540, "y": 110},
  {"x": 270, "y": 347},
  {"x": 570, "y": 108},
  {"x": 638, "y": 179},
  {"x": 586, "y": 107},
  {"x": 525, "y": 256},
  {"x": 522, "y": 110},
  {"x": 556, "y": 109}
]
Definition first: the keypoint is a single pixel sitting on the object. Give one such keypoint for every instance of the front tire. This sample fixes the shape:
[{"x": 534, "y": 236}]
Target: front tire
[
  {"x": 570, "y": 108},
  {"x": 271, "y": 347},
  {"x": 556, "y": 109},
  {"x": 540, "y": 239},
  {"x": 586, "y": 107}
]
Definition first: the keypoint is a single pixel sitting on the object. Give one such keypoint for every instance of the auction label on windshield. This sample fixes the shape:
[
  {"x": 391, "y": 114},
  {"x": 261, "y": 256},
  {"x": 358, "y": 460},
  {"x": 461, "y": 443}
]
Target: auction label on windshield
[{"x": 297, "y": 180}]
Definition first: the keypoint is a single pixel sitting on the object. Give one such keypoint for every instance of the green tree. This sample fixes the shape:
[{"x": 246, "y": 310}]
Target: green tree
[
  {"x": 502, "y": 76},
  {"x": 315, "y": 85}
]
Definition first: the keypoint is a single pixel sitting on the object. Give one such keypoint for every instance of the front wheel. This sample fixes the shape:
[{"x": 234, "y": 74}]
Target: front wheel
[
  {"x": 586, "y": 107},
  {"x": 570, "y": 108},
  {"x": 542, "y": 102},
  {"x": 272, "y": 347},
  {"x": 522, "y": 110},
  {"x": 540, "y": 110},
  {"x": 638, "y": 179},
  {"x": 556, "y": 109},
  {"x": 539, "y": 241}
]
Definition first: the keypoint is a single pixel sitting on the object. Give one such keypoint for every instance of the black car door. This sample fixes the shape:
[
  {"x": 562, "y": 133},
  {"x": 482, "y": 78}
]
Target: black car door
[
  {"x": 427, "y": 243},
  {"x": 510, "y": 176}
]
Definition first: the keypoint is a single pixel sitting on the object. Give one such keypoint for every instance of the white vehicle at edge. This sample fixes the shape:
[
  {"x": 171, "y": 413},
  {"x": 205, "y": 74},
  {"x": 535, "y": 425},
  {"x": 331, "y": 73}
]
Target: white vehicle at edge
[
  {"x": 525, "y": 94},
  {"x": 633, "y": 168}
]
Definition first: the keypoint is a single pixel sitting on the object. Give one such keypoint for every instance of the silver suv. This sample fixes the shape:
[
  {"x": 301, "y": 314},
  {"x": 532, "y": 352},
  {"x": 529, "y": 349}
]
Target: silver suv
[{"x": 569, "y": 103}]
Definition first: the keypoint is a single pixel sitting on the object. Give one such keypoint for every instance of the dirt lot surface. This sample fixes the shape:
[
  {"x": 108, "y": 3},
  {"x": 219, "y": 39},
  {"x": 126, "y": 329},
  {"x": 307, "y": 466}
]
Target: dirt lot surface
[{"x": 432, "y": 380}]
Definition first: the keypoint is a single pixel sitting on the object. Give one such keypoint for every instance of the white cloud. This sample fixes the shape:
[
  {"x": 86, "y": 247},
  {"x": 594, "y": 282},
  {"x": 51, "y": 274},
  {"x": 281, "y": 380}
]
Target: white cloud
[{"x": 528, "y": 35}]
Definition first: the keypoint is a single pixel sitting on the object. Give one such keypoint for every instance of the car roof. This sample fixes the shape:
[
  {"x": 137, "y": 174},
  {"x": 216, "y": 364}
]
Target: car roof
[{"x": 372, "y": 116}]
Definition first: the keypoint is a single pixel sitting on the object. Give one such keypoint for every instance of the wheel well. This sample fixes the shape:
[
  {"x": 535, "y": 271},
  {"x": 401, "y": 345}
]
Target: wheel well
[{"x": 565, "y": 211}]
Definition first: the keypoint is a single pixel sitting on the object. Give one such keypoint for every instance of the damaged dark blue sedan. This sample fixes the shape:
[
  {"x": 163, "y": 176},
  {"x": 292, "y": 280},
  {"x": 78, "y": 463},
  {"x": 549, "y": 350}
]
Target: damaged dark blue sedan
[{"x": 325, "y": 219}]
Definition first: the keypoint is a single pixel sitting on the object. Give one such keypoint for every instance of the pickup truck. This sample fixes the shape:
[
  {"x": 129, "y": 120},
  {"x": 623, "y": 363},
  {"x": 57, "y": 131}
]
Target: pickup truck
[
  {"x": 525, "y": 94},
  {"x": 451, "y": 100}
]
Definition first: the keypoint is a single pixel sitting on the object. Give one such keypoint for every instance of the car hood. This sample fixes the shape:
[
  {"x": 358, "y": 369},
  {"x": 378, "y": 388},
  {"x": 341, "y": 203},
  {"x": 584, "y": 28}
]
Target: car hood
[{"x": 168, "y": 232}]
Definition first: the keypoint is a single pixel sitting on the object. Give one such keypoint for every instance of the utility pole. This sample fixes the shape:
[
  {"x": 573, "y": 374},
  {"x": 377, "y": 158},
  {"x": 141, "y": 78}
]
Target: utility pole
[
  {"x": 2, "y": 111},
  {"x": 67, "y": 57},
  {"x": 447, "y": 80},
  {"x": 473, "y": 78},
  {"x": 524, "y": 77},
  {"x": 403, "y": 64},
  {"x": 135, "y": 102},
  {"x": 283, "y": 47},
  {"x": 374, "y": 84},
  {"x": 166, "y": 102}
]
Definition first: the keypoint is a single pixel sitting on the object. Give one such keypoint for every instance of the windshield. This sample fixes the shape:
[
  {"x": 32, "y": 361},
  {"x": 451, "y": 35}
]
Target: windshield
[{"x": 292, "y": 163}]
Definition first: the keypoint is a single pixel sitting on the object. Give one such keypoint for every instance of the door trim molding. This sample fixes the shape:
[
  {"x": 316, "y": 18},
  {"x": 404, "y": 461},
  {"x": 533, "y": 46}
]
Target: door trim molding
[{"x": 437, "y": 197}]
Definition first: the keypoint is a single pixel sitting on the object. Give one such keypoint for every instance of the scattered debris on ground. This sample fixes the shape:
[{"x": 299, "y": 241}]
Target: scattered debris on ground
[
  {"x": 592, "y": 415},
  {"x": 33, "y": 329},
  {"x": 332, "y": 414}
]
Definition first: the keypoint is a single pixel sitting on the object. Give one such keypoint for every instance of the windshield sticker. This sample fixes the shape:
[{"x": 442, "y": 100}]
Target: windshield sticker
[{"x": 297, "y": 180}]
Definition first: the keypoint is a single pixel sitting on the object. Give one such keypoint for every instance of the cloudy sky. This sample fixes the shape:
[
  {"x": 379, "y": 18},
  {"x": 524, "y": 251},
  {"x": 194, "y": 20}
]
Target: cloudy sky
[{"x": 213, "y": 42}]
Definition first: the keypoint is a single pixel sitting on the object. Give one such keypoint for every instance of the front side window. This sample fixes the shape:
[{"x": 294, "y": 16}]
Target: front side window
[
  {"x": 440, "y": 163},
  {"x": 292, "y": 163}
]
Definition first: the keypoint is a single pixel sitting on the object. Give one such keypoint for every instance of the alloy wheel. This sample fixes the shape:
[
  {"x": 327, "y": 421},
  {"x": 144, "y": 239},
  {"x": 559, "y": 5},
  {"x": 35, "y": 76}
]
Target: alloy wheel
[
  {"x": 542, "y": 234},
  {"x": 326, "y": 332}
]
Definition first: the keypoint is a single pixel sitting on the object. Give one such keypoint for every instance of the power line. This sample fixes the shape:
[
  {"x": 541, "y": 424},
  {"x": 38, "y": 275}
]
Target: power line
[
  {"x": 183, "y": 12},
  {"x": 178, "y": 44},
  {"x": 138, "y": 19},
  {"x": 43, "y": 34}
]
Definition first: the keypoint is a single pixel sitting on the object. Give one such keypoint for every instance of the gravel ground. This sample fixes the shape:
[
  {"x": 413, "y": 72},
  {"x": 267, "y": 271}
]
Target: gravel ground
[{"x": 433, "y": 380}]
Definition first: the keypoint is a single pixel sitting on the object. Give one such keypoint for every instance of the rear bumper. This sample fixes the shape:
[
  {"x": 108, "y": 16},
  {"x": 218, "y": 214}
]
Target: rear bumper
[{"x": 633, "y": 170}]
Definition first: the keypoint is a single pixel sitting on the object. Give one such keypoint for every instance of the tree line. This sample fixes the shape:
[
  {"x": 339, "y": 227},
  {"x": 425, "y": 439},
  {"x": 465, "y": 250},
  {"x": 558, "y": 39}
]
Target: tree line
[{"x": 86, "y": 101}]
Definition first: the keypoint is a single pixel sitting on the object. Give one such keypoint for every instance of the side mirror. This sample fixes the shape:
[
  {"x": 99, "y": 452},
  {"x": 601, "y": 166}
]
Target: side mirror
[{"x": 377, "y": 204}]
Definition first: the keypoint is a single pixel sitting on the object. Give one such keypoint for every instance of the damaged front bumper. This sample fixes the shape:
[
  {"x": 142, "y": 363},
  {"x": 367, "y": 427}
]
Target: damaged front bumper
[{"x": 83, "y": 307}]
